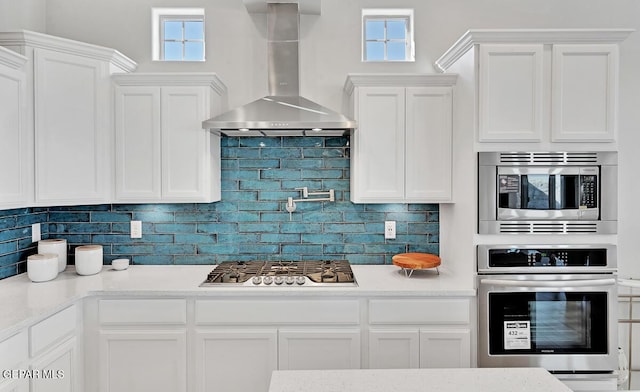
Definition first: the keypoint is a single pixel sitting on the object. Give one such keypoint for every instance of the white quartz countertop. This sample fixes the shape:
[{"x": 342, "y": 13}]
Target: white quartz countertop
[
  {"x": 23, "y": 302},
  {"x": 417, "y": 380}
]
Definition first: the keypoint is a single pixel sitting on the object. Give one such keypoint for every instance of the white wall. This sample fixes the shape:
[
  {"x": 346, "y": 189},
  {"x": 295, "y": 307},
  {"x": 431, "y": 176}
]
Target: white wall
[{"x": 330, "y": 48}]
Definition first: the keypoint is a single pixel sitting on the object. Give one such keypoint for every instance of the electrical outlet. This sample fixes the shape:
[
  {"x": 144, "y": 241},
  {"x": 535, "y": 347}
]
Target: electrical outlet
[
  {"x": 136, "y": 229},
  {"x": 390, "y": 230},
  {"x": 36, "y": 234}
]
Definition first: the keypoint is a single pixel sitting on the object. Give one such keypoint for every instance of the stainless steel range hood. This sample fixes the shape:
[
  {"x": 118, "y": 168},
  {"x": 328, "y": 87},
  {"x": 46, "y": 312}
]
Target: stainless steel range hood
[{"x": 283, "y": 112}]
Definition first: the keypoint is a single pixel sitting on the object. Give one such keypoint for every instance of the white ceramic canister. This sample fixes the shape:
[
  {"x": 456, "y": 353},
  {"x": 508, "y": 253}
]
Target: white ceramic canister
[
  {"x": 57, "y": 246},
  {"x": 42, "y": 267},
  {"x": 88, "y": 259}
]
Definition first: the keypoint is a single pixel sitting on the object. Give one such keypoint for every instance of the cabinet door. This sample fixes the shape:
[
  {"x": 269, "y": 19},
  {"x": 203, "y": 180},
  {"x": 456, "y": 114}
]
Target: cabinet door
[
  {"x": 428, "y": 144},
  {"x": 185, "y": 144},
  {"x": 138, "y": 144},
  {"x": 377, "y": 160},
  {"x": 445, "y": 348},
  {"x": 16, "y": 148},
  {"x": 59, "y": 369},
  {"x": 235, "y": 360},
  {"x": 510, "y": 93},
  {"x": 15, "y": 385},
  {"x": 315, "y": 349},
  {"x": 72, "y": 129},
  {"x": 584, "y": 92},
  {"x": 394, "y": 349},
  {"x": 143, "y": 360}
]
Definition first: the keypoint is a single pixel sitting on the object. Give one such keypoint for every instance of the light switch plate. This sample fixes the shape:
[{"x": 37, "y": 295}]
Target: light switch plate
[
  {"x": 136, "y": 229},
  {"x": 36, "y": 234}
]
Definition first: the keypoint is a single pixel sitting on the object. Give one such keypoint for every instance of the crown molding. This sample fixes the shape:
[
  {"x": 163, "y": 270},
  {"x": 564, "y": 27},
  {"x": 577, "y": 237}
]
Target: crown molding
[
  {"x": 171, "y": 79},
  {"x": 525, "y": 36},
  {"x": 397, "y": 79},
  {"x": 64, "y": 45},
  {"x": 12, "y": 59}
]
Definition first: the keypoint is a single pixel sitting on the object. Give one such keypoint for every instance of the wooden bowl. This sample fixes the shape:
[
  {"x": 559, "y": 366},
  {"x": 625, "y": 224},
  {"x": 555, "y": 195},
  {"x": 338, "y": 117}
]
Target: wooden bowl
[{"x": 414, "y": 261}]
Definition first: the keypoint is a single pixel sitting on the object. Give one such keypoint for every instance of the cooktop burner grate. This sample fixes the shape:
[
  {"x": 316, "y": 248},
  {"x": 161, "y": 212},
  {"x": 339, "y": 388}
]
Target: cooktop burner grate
[{"x": 278, "y": 273}]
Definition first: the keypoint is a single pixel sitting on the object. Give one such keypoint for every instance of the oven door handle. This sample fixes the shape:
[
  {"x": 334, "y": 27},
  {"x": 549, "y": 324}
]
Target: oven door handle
[{"x": 549, "y": 283}]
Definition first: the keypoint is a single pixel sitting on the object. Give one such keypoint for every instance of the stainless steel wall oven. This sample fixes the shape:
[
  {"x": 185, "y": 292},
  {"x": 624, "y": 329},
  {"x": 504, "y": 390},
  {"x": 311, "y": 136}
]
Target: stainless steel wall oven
[
  {"x": 548, "y": 306},
  {"x": 547, "y": 192}
]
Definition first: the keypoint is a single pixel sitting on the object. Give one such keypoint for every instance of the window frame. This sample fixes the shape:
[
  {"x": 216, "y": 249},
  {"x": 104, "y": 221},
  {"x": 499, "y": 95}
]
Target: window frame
[
  {"x": 390, "y": 14},
  {"x": 162, "y": 15}
]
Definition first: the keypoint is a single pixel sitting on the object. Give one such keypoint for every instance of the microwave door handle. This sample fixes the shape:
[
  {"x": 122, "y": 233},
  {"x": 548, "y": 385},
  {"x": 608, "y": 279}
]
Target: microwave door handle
[{"x": 549, "y": 283}]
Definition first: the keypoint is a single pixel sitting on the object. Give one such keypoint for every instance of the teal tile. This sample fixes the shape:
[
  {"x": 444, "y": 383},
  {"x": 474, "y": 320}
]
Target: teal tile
[
  {"x": 301, "y": 249},
  {"x": 194, "y": 238},
  {"x": 280, "y": 238},
  {"x": 323, "y": 238}
]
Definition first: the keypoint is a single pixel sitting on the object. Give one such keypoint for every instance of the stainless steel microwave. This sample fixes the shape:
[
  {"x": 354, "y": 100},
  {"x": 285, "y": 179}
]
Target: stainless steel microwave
[{"x": 547, "y": 192}]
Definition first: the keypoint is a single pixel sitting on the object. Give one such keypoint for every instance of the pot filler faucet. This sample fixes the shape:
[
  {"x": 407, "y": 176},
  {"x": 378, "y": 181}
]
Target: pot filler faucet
[{"x": 304, "y": 191}]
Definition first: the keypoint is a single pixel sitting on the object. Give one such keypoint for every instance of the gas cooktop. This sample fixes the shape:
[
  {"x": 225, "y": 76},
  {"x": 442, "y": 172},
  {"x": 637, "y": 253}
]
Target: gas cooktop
[{"x": 334, "y": 273}]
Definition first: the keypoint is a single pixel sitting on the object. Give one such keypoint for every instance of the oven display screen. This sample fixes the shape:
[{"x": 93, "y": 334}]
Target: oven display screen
[{"x": 548, "y": 323}]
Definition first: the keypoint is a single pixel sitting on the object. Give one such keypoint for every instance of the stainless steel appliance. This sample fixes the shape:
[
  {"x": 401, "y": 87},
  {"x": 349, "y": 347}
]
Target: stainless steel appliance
[
  {"x": 330, "y": 273},
  {"x": 548, "y": 306},
  {"x": 547, "y": 192}
]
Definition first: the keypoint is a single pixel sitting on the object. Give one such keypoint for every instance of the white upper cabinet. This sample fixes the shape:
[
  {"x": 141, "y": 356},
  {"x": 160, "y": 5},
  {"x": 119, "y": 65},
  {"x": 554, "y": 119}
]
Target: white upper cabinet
[
  {"x": 541, "y": 86},
  {"x": 401, "y": 150},
  {"x": 69, "y": 116},
  {"x": 16, "y": 148},
  {"x": 162, "y": 152}
]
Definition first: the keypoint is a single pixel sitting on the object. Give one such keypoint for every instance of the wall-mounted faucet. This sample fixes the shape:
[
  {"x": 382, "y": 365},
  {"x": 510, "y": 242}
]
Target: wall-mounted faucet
[{"x": 304, "y": 192}]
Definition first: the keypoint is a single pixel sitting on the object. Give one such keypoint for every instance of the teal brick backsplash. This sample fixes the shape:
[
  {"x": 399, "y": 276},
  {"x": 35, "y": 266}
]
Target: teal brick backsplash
[{"x": 258, "y": 174}]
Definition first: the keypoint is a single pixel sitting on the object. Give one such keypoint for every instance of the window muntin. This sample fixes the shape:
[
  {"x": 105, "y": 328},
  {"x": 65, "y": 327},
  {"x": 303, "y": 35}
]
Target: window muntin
[
  {"x": 178, "y": 34},
  {"x": 387, "y": 35}
]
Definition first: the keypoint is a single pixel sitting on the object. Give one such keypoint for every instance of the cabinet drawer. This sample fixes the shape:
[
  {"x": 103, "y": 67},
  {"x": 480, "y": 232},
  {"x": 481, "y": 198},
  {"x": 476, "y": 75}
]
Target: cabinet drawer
[
  {"x": 13, "y": 351},
  {"x": 277, "y": 312},
  {"x": 53, "y": 329},
  {"x": 419, "y": 311},
  {"x": 143, "y": 311}
]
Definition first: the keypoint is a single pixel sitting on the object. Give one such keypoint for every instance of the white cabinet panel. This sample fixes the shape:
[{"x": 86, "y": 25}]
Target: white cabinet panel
[
  {"x": 510, "y": 92},
  {"x": 584, "y": 92},
  {"x": 142, "y": 311},
  {"x": 14, "y": 351},
  {"x": 15, "y": 385},
  {"x": 16, "y": 148},
  {"x": 378, "y": 158},
  {"x": 235, "y": 360},
  {"x": 184, "y": 142},
  {"x": 419, "y": 311},
  {"x": 428, "y": 144},
  {"x": 53, "y": 329},
  {"x": 163, "y": 154},
  {"x": 319, "y": 349},
  {"x": 72, "y": 135},
  {"x": 143, "y": 360},
  {"x": 61, "y": 368},
  {"x": 450, "y": 348},
  {"x": 401, "y": 151},
  {"x": 138, "y": 143},
  {"x": 394, "y": 349}
]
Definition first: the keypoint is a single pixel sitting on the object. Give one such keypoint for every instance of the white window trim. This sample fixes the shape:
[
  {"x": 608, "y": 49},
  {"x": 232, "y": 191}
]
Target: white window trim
[
  {"x": 389, "y": 13},
  {"x": 159, "y": 14}
]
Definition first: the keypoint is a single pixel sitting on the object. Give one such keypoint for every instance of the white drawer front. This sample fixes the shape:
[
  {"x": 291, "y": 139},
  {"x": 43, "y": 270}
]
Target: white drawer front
[
  {"x": 142, "y": 311},
  {"x": 13, "y": 352},
  {"x": 277, "y": 312},
  {"x": 53, "y": 329},
  {"x": 419, "y": 311}
]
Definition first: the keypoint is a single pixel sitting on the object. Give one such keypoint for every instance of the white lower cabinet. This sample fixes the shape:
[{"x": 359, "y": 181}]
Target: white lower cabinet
[
  {"x": 235, "y": 359},
  {"x": 143, "y": 360},
  {"x": 419, "y": 348},
  {"x": 17, "y": 385},
  {"x": 314, "y": 349},
  {"x": 142, "y": 345},
  {"x": 57, "y": 369}
]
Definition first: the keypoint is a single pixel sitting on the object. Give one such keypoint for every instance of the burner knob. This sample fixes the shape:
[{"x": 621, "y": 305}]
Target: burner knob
[
  {"x": 278, "y": 280},
  {"x": 300, "y": 280},
  {"x": 256, "y": 280},
  {"x": 267, "y": 280},
  {"x": 289, "y": 280}
]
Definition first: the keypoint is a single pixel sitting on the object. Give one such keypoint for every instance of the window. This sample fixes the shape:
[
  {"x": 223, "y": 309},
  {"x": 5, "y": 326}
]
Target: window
[
  {"x": 178, "y": 34},
  {"x": 387, "y": 35}
]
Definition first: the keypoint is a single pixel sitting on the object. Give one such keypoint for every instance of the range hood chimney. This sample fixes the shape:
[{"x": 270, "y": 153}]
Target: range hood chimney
[{"x": 283, "y": 112}]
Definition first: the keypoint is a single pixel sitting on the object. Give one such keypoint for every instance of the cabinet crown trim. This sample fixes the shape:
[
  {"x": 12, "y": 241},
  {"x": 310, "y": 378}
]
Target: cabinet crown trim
[
  {"x": 397, "y": 80},
  {"x": 528, "y": 36},
  {"x": 11, "y": 59},
  {"x": 172, "y": 79},
  {"x": 64, "y": 45}
]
